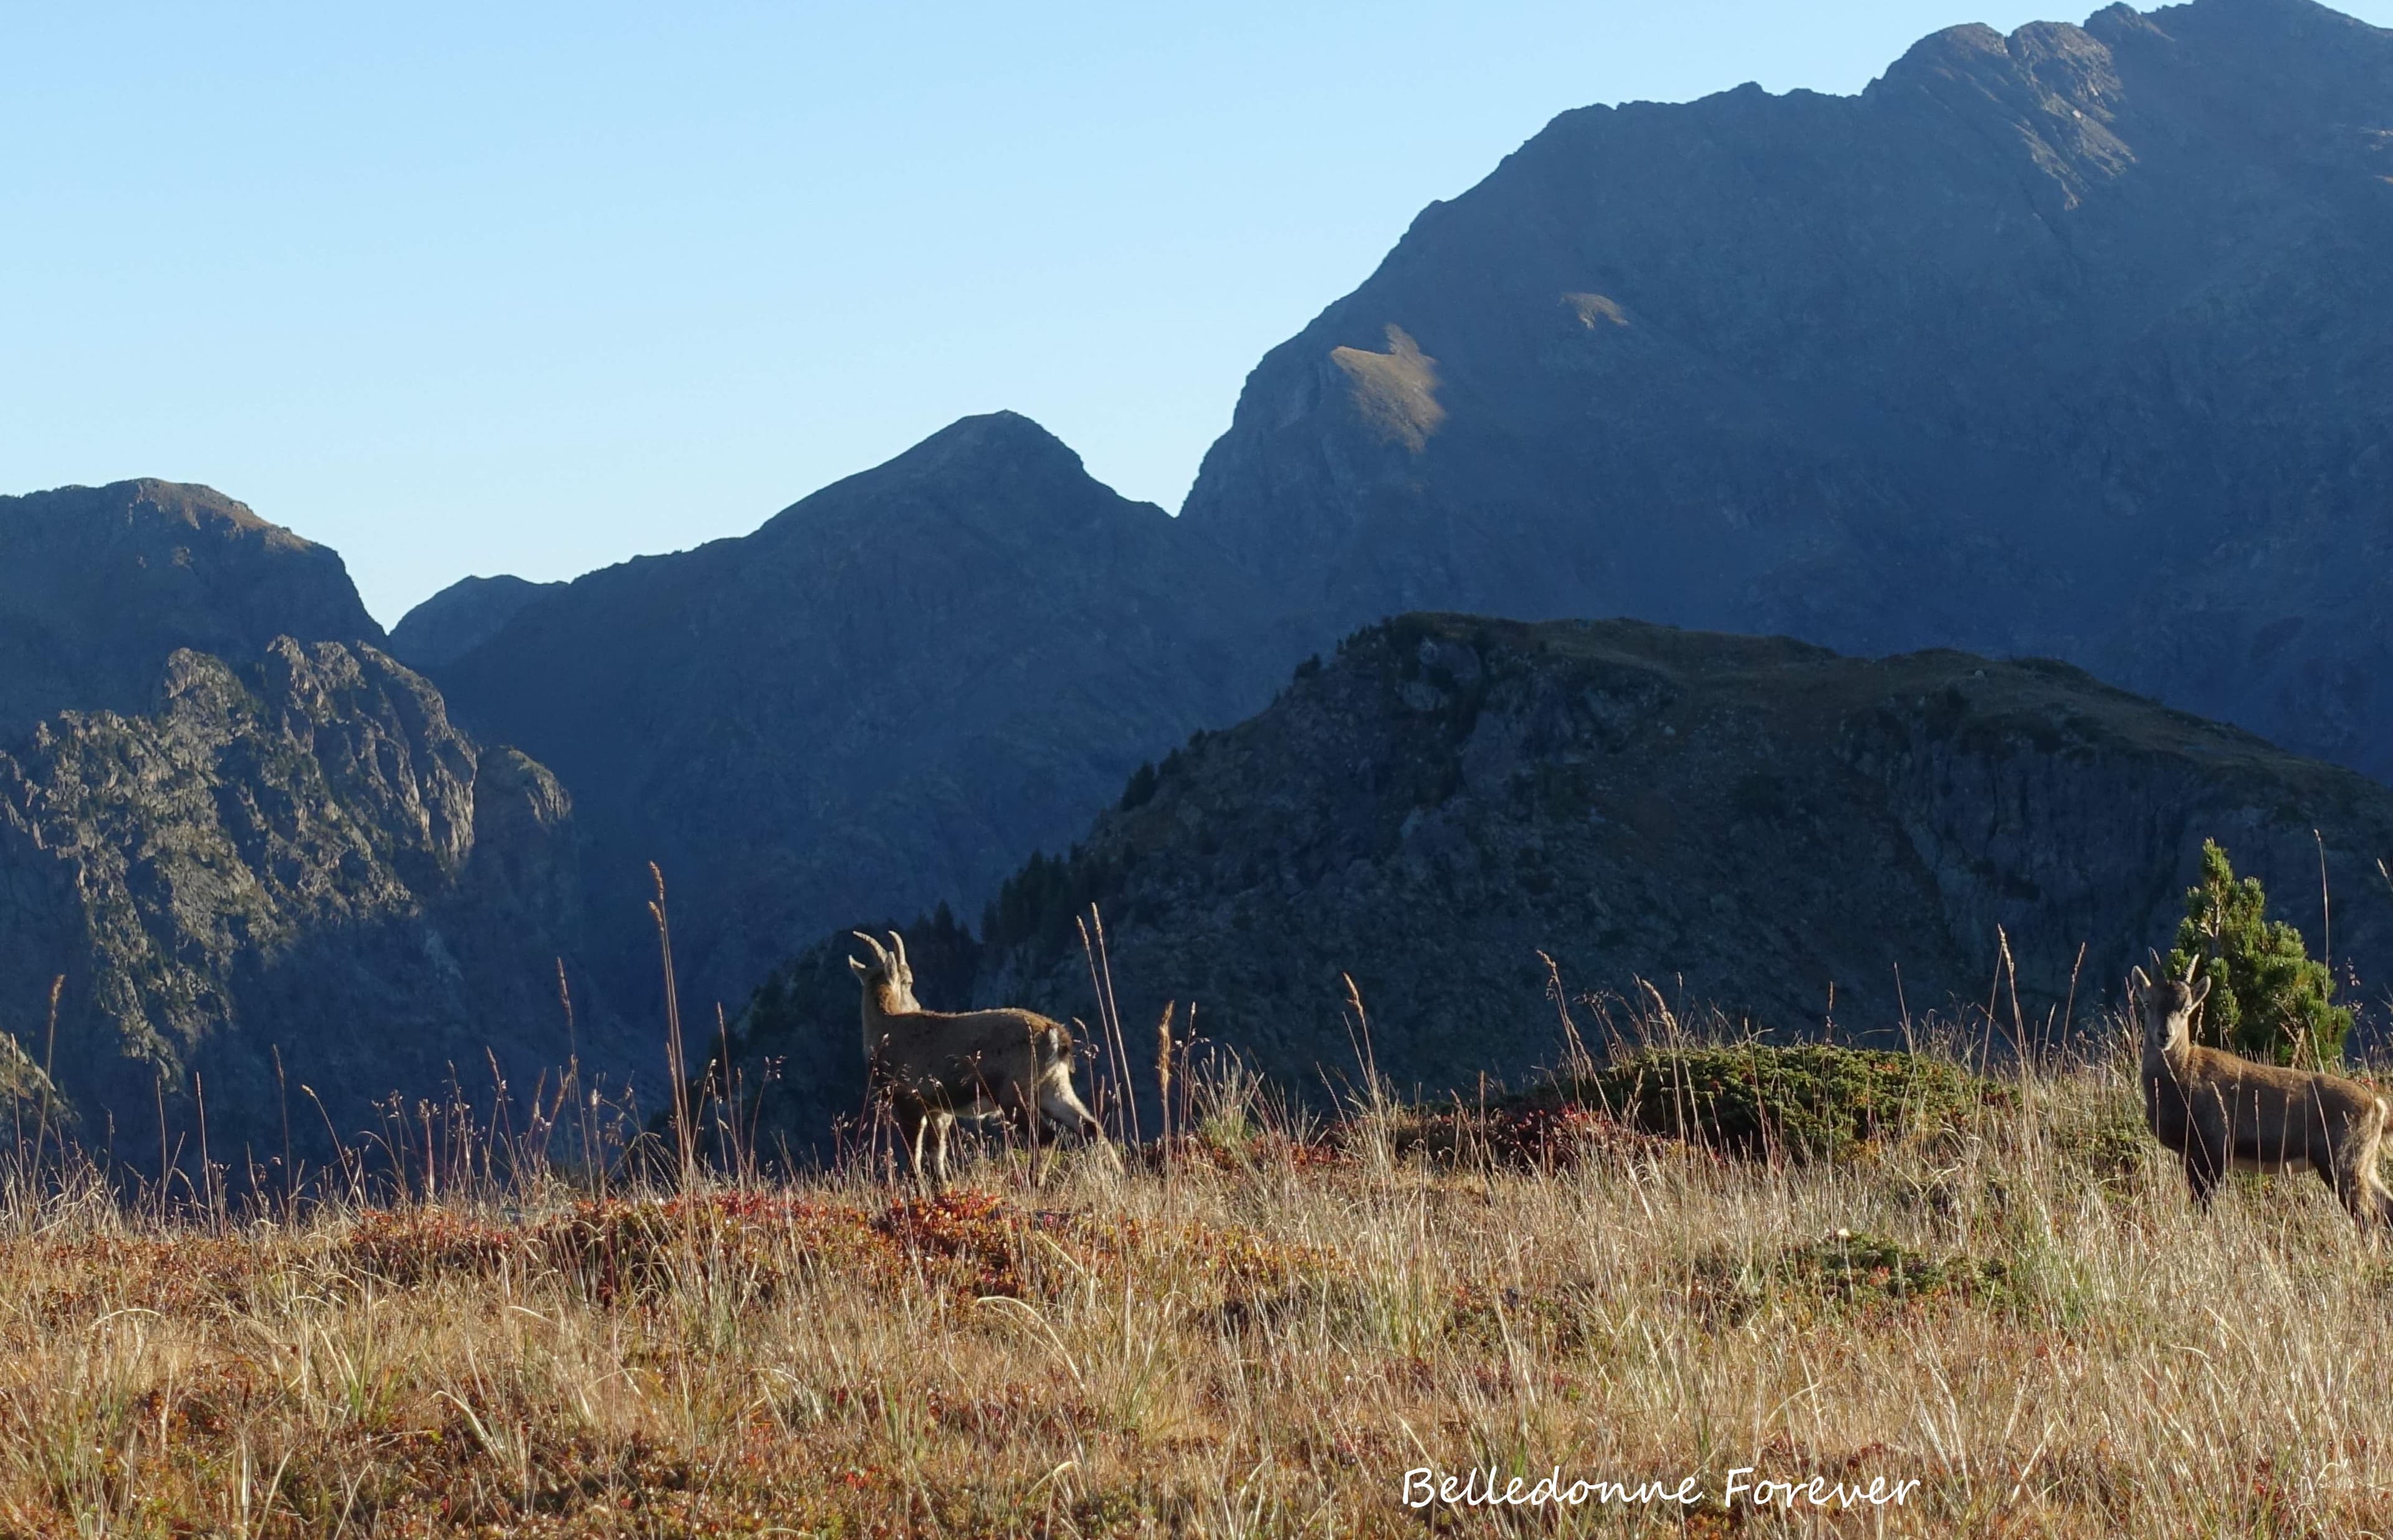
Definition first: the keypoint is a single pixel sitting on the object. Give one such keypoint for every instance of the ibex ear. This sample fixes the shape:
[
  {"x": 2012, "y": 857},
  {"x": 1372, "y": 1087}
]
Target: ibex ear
[
  {"x": 2140, "y": 983},
  {"x": 858, "y": 969},
  {"x": 2201, "y": 992}
]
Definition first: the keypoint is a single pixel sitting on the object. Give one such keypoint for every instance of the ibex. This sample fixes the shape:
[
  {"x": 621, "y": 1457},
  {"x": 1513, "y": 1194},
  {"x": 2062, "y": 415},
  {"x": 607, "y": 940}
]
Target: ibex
[
  {"x": 938, "y": 1066},
  {"x": 2222, "y": 1113}
]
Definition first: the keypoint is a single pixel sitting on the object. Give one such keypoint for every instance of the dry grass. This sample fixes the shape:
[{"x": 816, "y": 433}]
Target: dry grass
[{"x": 1262, "y": 1338}]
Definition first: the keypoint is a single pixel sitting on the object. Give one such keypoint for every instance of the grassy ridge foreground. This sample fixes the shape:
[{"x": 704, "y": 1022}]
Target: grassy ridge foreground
[{"x": 1262, "y": 1335}]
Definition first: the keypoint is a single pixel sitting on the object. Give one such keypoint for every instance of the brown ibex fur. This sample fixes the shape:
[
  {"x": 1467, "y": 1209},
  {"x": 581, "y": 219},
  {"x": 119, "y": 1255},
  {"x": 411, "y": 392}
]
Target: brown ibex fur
[
  {"x": 936, "y": 1065},
  {"x": 2220, "y": 1113}
]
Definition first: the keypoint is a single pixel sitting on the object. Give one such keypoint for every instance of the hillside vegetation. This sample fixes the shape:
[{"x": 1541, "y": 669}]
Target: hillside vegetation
[
  {"x": 2000, "y": 1295},
  {"x": 1814, "y": 845}
]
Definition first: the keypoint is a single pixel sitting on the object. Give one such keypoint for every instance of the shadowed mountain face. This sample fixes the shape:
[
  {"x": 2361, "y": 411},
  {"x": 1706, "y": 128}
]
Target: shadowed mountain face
[
  {"x": 1744, "y": 822},
  {"x": 886, "y": 696},
  {"x": 2077, "y": 342},
  {"x": 101, "y": 585},
  {"x": 461, "y": 618}
]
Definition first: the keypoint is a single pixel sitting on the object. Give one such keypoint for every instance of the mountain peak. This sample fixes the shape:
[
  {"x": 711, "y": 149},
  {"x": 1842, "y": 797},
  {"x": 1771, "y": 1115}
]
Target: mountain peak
[
  {"x": 1968, "y": 41},
  {"x": 991, "y": 471},
  {"x": 895, "y": 687},
  {"x": 994, "y": 441},
  {"x": 189, "y": 502},
  {"x": 99, "y": 586},
  {"x": 461, "y": 618}
]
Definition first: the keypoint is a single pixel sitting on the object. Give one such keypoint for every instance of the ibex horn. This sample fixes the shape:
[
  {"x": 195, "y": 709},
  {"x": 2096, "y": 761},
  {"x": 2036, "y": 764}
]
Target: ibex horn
[
  {"x": 2192, "y": 966},
  {"x": 878, "y": 955},
  {"x": 899, "y": 942}
]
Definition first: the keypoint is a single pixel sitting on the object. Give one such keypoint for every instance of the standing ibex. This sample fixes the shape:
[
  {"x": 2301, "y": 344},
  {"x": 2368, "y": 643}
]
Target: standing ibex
[
  {"x": 2222, "y": 1113},
  {"x": 935, "y": 1066}
]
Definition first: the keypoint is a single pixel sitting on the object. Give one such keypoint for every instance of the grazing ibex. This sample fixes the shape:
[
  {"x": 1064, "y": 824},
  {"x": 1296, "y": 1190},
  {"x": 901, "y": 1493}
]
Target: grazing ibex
[
  {"x": 2222, "y": 1113},
  {"x": 938, "y": 1066}
]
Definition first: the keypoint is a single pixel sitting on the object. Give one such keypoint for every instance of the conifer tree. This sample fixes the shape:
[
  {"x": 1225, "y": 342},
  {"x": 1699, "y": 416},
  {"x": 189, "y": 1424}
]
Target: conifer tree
[{"x": 2269, "y": 999}]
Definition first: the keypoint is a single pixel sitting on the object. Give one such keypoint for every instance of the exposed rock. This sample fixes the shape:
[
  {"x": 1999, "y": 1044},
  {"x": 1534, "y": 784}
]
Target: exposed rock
[
  {"x": 299, "y": 859},
  {"x": 461, "y": 618},
  {"x": 2077, "y": 342}
]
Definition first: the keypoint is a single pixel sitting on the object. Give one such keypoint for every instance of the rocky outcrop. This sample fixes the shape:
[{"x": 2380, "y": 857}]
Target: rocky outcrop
[
  {"x": 1748, "y": 824},
  {"x": 294, "y": 874},
  {"x": 2076, "y": 342},
  {"x": 886, "y": 696},
  {"x": 99, "y": 585},
  {"x": 461, "y": 618}
]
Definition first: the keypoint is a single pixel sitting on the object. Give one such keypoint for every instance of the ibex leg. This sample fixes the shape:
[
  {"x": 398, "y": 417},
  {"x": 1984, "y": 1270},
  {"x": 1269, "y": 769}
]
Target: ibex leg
[
  {"x": 910, "y": 1122},
  {"x": 2204, "y": 1167},
  {"x": 1067, "y": 1112}
]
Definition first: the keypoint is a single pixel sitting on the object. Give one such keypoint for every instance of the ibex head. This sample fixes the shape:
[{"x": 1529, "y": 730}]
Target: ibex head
[
  {"x": 888, "y": 973},
  {"x": 2167, "y": 1009}
]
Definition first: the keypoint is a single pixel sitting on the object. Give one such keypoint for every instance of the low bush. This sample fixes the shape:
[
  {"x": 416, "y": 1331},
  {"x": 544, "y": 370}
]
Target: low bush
[{"x": 1808, "y": 1102}]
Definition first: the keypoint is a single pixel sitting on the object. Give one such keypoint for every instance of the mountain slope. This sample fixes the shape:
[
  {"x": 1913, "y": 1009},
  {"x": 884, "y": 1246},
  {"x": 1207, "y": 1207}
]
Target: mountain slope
[
  {"x": 886, "y": 696},
  {"x": 1744, "y": 822},
  {"x": 2076, "y": 342},
  {"x": 99, "y": 585}
]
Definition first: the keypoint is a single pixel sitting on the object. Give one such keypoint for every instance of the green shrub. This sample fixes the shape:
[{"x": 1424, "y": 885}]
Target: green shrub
[
  {"x": 1808, "y": 1102},
  {"x": 2267, "y": 998}
]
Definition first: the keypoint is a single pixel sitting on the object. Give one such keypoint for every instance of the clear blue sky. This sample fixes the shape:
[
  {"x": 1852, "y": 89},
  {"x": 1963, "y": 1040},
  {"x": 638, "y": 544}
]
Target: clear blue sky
[{"x": 533, "y": 287}]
